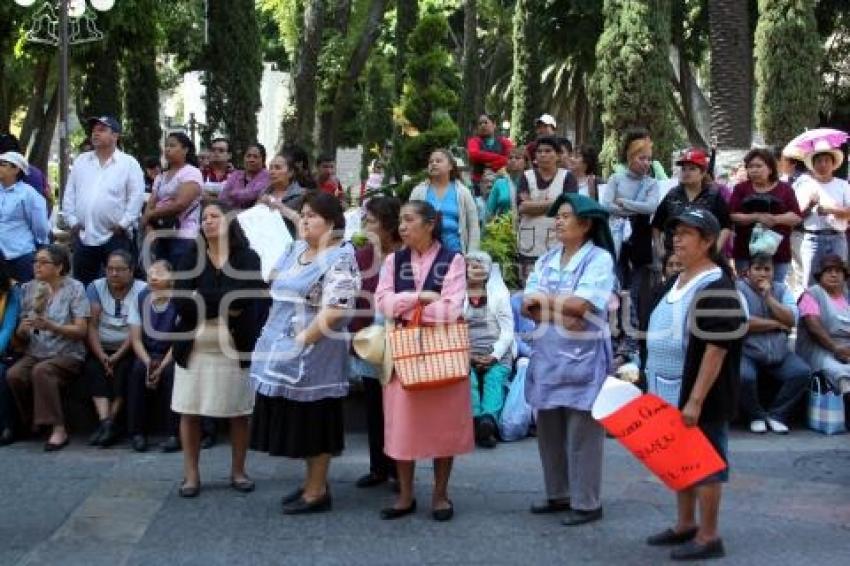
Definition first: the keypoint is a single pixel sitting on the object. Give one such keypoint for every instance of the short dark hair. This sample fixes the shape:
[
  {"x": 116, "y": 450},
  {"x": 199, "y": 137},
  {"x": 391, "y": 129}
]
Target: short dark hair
[
  {"x": 762, "y": 259},
  {"x": 151, "y": 161},
  {"x": 260, "y": 147},
  {"x": 428, "y": 214},
  {"x": 767, "y": 156},
  {"x": 566, "y": 144},
  {"x": 220, "y": 140},
  {"x": 60, "y": 256},
  {"x": 299, "y": 159},
  {"x": 386, "y": 210},
  {"x": 126, "y": 256},
  {"x": 631, "y": 135},
  {"x": 327, "y": 206},
  {"x": 590, "y": 156},
  {"x": 551, "y": 141},
  {"x": 325, "y": 158}
]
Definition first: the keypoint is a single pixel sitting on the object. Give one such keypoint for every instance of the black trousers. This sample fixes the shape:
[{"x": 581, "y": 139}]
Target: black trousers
[
  {"x": 141, "y": 401},
  {"x": 89, "y": 261},
  {"x": 102, "y": 386},
  {"x": 379, "y": 463}
]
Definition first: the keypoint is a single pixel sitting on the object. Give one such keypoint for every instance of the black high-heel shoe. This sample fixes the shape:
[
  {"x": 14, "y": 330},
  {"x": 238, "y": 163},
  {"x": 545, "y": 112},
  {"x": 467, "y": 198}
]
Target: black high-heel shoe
[
  {"x": 391, "y": 513},
  {"x": 304, "y": 507}
]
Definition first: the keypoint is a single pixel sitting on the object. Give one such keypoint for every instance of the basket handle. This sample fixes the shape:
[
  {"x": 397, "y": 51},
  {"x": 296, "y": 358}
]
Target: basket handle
[{"x": 416, "y": 319}]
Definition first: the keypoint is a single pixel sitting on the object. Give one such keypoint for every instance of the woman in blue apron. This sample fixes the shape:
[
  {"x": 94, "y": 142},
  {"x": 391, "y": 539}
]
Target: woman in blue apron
[
  {"x": 694, "y": 345},
  {"x": 300, "y": 364},
  {"x": 568, "y": 295}
]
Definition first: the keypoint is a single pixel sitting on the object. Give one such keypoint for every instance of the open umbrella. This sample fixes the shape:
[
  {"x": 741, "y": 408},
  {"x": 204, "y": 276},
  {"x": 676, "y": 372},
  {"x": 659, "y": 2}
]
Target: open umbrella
[{"x": 807, "y": 140}]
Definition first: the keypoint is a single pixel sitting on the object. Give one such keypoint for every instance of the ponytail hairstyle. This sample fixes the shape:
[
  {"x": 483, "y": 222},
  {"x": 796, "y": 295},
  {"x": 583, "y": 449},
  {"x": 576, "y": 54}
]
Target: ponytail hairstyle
[
  {"x": 429, "y": 215},
  {"x": 188, "y": 145}
]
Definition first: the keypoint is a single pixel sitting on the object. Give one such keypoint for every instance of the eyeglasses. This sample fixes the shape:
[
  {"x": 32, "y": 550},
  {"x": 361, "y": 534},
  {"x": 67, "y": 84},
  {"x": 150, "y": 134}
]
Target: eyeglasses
[{"x": 39, "y": 261}]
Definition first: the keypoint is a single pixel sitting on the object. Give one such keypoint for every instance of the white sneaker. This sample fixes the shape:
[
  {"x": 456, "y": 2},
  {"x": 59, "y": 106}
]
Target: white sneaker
[
  {"x": 758, "y": 426},
  {"x": 776, "y": 426}
]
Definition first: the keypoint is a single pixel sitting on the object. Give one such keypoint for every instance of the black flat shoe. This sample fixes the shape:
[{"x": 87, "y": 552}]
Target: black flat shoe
[
  {"x": 551, "y": 506},
  {"x": 391, "y": 513},
  {"x": 50, "y": 447},
  {"x": 189, "y": 491},
  {"x": 97, "y": 435},
  {"x": 171, "y": 444},
  {"x": 138, "y": 443},
  {"x": 693, "y": 550},
  {"x": 670, "y": 537},
  {"x": 304, "y": 507},
  {"x": 109, "y": 436},
  {"x": 7, "y": 437},
  {"x": 292, "y": 496},
  {"x": 245, "y": 485},
  {"x": 370, "y": 480},
  {"x": 443, "y": 514},
  {"x": 577, "y": 517}
]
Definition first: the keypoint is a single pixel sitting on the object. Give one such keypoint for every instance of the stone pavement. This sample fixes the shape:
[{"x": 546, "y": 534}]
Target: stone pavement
[{"x": 788, "y": 503}]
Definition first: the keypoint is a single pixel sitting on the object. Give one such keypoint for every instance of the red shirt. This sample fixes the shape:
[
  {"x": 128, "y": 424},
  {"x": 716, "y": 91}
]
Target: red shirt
[
  {"x": 785, "y": 202},
  {"x": 332, "y": 186},
  {"x": 483, "y": 153},
  {"x": 212, "y": 176}
]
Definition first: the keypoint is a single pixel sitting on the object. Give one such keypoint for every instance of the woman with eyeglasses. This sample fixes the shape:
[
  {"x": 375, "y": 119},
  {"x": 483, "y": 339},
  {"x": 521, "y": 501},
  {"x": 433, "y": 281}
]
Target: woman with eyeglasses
[
  {"x": 53, "y": 325},
  {"x": 110, "y": 356}
]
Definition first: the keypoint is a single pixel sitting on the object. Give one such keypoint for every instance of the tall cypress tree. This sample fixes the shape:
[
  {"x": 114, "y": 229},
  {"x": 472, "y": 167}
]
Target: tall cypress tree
[
  {"x": 429, "y": 97},
  {"x": 141, "y": 82},
  {"x": 632, "y": 74},
  {"x": 788, "y": 56},
  {"x": 525, "y": 82},
  {"x": 234, "y": 70}
]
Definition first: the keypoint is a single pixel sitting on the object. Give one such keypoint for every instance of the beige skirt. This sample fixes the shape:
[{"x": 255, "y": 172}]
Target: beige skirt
[{"x": 213, "y": 385}]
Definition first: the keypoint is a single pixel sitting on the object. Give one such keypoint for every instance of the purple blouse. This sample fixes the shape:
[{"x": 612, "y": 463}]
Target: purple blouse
[{"x": 239, "y": 193}]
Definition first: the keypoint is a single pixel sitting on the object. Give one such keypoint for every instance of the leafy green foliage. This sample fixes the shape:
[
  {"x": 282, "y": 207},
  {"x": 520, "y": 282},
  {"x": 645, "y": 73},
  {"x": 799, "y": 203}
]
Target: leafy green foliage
[
  {"x": 429, "y": 97},
  {"x": 632, "y": 75},
  {"x": 788, "y": 55},
  {"x": 499, "y": 240}
]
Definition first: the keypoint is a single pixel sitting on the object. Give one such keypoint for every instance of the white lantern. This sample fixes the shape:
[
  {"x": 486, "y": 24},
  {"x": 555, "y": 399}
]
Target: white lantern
[
  {"x": 76, "y": 8},
  {"x": 102, "y": 5},
  {"x": 25, "y": 3}
]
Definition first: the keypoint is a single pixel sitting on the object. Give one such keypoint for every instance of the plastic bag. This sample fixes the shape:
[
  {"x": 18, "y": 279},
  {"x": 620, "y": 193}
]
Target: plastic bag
[
  {"x": 516, "y": 413},
  {"x": 764, "y": 241}
]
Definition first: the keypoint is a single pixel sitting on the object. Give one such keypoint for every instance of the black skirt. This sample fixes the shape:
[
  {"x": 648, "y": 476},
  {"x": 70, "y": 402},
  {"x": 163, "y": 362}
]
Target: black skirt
[{"x": 297, "y": 429}]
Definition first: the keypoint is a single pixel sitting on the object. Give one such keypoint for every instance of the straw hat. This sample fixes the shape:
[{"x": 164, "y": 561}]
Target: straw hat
[
  {"x": 823, "y": 146},
  {"x": 369, "y": 344}
]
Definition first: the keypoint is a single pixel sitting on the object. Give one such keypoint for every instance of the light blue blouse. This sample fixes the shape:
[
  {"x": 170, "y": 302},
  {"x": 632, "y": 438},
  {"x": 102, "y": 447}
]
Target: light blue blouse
[{"x": 449, "y": 209}]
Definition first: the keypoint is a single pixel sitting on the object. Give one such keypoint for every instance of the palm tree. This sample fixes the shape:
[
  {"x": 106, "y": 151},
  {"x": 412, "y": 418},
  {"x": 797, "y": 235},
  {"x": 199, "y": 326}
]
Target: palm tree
[{"x": 731, "y": 73}]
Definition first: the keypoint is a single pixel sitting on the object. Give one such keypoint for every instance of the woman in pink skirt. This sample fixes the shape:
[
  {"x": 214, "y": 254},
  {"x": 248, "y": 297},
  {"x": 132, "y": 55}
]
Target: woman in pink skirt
[{"x": 433, "y": 423}]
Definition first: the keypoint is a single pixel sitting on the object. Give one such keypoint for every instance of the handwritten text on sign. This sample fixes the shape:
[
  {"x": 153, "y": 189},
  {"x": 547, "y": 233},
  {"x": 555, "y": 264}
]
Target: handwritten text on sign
[{"x": 652, "y": 430}]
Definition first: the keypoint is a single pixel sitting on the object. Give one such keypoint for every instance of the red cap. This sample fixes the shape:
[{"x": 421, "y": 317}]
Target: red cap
[{"x": 695, "y": 156}]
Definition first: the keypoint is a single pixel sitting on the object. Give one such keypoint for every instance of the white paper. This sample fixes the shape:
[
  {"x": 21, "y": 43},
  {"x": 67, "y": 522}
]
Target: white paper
[
  {"x": 615, "y": 393},
  {"x": 267, "y": 235},
  {"x": 353, "y": 217}
]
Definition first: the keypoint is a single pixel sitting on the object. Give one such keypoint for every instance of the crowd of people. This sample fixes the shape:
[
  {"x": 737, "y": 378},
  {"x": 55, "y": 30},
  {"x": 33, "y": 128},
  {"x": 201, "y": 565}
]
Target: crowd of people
[{"x": 161, "y": 309}]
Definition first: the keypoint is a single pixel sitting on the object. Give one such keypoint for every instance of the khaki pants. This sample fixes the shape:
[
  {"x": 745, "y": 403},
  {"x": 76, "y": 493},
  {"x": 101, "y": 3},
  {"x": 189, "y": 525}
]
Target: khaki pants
[{"x": 36, "y": 384}]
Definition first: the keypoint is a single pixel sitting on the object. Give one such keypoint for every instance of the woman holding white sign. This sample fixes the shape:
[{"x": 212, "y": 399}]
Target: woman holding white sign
[
  {"x": 568, "y": 295},
  {"x": 694, "y": 346}
]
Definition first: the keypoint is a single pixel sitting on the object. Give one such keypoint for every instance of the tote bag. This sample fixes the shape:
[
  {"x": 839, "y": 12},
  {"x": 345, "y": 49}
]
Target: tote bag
[{"x": 826, "y": 407}]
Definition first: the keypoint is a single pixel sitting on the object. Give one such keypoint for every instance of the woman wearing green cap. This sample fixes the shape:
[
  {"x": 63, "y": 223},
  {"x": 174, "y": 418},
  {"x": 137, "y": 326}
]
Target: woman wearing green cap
[{"x": 568, "y": 295}]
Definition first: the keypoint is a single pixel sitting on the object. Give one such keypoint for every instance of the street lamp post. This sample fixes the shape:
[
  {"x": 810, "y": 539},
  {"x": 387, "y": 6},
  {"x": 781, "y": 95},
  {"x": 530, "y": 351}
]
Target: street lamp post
[{"x": 75, "y": 25}]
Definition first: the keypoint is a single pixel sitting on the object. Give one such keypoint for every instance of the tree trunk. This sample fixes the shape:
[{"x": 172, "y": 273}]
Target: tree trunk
[
  {"x": 304, "y": 73},
  {"x": 470, "y": 98},
  {"x": 44, "y": 136},
  {"x": 35, "y": 110},
  {"x": 731, "y": 73},
  {"x": 356, "y": 64}
]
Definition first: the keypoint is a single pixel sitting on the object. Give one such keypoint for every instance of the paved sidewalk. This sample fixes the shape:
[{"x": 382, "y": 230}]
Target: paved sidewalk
[{"x": 788, "y": 503}]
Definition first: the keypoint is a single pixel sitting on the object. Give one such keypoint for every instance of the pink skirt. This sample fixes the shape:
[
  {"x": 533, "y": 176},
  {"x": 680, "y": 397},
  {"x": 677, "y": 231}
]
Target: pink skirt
[{"x": 433, "y": 423}]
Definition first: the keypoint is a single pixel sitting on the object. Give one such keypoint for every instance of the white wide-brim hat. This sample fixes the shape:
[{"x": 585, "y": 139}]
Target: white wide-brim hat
[
  {"x": 823, "y": 146},
  {"x": 17, "y": 160}
]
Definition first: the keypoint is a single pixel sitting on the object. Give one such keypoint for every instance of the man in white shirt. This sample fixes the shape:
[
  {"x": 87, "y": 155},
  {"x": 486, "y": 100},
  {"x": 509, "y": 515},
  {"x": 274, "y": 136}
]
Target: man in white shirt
[
  {"x": 825, "y": 203},
  {"x": 103, "y": 200}
]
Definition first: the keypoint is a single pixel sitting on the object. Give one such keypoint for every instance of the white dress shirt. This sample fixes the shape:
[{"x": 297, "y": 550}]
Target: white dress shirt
[{"x": 98, "y": 197}]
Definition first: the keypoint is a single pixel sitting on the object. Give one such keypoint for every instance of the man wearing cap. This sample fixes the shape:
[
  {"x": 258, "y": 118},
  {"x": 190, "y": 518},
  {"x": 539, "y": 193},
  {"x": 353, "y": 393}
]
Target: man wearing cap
[
  {"x": 545, "y": 127},
  {"x": 825, "y": 206},
  {"x": 23, "y": 218},
  {"x": 103, "y": 200},
  {"x": 695, "y": 190}
]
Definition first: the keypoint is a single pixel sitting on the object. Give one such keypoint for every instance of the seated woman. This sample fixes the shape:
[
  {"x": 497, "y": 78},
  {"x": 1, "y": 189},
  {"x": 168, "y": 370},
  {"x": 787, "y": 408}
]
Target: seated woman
[
  {"x": 54, "y": 323},
  {"x": 491, "y": 332},
  {"x": 10, "y": 307},
  {"x": 152, "y": 319},
  {"x": 823, "y": 339},
  {"x": 110, "y": 355}
]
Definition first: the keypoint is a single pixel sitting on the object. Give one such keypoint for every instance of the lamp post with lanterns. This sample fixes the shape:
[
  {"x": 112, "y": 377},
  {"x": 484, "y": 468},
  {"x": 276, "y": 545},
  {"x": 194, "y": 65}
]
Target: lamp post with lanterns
[{"x": 62, "y": 23}]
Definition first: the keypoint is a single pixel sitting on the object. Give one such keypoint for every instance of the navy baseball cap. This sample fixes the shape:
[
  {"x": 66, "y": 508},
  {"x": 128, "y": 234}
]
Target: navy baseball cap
[
  {"x": 107, "y": 121},
  {"x": 698, "y": 218}
]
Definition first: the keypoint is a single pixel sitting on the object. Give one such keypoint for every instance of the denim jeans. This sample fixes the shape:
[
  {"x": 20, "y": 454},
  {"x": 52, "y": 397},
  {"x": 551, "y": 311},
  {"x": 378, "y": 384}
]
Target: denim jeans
[{"x": 792, "y": 372}]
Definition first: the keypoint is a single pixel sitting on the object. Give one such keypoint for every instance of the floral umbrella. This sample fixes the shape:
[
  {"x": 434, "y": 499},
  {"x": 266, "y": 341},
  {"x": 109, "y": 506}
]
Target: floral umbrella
[{"x": 807, "y": 140}]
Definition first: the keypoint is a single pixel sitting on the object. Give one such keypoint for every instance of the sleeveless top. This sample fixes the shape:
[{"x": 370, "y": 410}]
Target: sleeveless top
[{"x": 537, "y": 233}]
